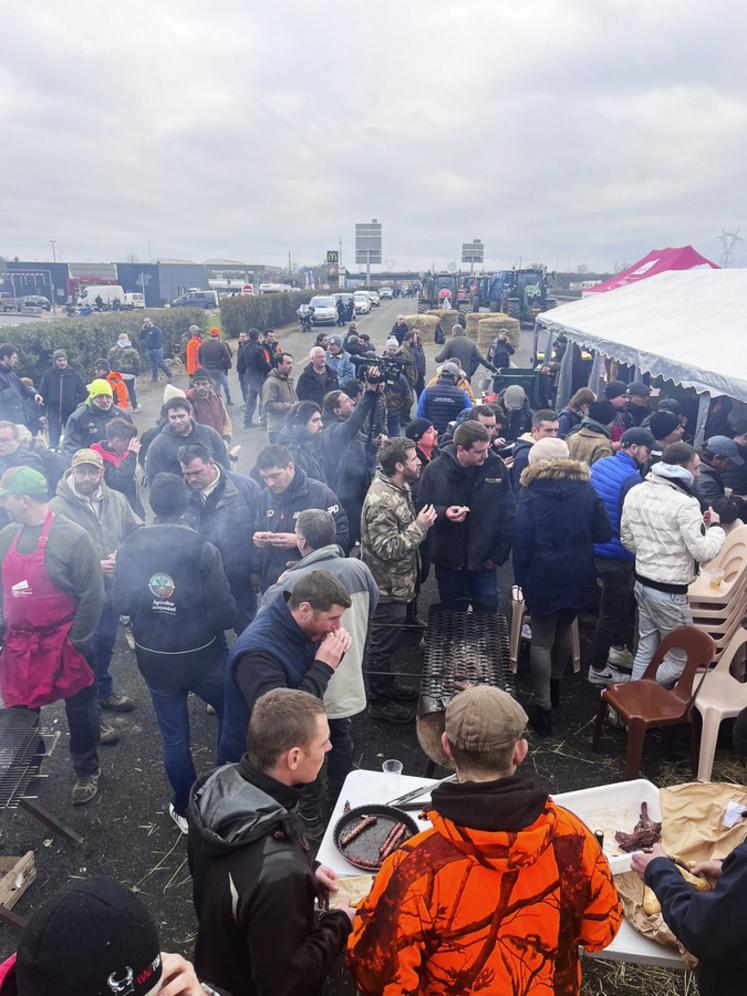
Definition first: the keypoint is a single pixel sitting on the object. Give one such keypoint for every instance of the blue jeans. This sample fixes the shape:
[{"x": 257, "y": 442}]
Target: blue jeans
[
  {"x": 172, "y": 716},
  {"x": 393, "y": 424},
  {"x": 251, "y": 398},
  {"x": 82, "y": 713},
  {"x": 157, "y": 363},
  {"x": 480, "y": 588},
  {"x": 103, "y": 647},
  {"x": 220, "y": 383}
]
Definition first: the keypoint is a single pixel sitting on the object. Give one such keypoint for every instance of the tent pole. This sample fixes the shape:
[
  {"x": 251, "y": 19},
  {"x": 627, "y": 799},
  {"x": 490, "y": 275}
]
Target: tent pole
[{"x": 704, "y": 404}]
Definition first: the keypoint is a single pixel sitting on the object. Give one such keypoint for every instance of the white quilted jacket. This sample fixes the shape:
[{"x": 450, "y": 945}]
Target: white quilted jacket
[{"x": 664, "y": 528}]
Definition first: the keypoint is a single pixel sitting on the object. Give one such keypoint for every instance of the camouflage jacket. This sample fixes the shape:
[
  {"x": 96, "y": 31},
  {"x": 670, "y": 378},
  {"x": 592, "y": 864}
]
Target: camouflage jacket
[{"x": 390, "y": 538}]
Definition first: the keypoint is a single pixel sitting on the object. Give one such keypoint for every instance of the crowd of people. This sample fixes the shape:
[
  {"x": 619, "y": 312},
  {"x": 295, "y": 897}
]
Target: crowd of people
[{"x": 279, "y": 598}]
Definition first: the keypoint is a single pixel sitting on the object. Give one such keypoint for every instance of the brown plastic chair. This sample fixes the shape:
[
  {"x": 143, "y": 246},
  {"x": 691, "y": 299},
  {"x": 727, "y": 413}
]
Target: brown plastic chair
[{"x": 645, "y": 703}]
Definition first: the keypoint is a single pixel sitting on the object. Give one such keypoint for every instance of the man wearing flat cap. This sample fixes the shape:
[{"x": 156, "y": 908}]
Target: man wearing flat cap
[{"x": 500, "y": 892}]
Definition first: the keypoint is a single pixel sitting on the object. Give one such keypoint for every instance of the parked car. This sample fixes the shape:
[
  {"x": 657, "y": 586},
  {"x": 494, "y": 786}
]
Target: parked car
[
  {"x": 325, "y": 310},
  {"x": 362, "y": 303},
  {"x": 36, "y": 301},
  {"x": 9, "y": 302},
  {"x": 386, "y": 293},
  {"x": 196, "y": 299},
  {"x": 374, "y": 298}
]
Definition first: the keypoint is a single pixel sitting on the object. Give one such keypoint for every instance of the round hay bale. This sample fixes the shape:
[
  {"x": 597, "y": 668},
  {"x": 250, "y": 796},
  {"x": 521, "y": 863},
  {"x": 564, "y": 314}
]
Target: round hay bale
[
  {"x": 473, "y": 317},
  {"x": 426, "y": 326},
  {"x": 447, "y": 317}
]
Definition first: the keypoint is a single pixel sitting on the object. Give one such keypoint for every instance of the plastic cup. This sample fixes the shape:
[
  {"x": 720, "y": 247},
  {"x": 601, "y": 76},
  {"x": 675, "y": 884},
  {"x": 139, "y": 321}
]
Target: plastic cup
[
  {"x": 393, "y": 771},
  {"x": 716, "y": 579},
  {"x": 392, "y": 767}
]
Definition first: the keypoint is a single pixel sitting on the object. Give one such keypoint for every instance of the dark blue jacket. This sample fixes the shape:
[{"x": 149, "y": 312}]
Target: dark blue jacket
[
  {"x": 520, "y": 454},
  {"x": 567, "y": 420},
  {"x": 442, "y": 402},
  {"x": 154, "y": 338},
  {"x": 558, "y": 518},
  {"x": 709, "y": 924},
  {"x": 273, "y": 652},
  {"x": 278, "y": 514},
  {"x": 608, "y": 476}
]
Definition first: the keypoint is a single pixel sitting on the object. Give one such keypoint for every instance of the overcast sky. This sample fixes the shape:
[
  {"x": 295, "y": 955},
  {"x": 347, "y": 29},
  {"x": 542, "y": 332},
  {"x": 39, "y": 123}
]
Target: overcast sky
[{"x": 569, "y": 132}]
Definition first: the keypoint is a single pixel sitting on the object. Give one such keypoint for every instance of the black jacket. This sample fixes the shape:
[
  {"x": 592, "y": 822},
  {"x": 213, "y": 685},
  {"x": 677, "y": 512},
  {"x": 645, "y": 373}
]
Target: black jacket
[
  {"x": 214, "y": 354},
  {"x": 161, "y": 457},
  {"x": 465, "y": 352},
  {"x": 63, "y": 391},
  {"x": 251, "y": 363},
  {"x": 226, "y": 519},
  {"x": 170, "y": 582},
  {"x": 278, "y": 514},
  {"x": 500, "y": 353},
  {"x": 312, "y": 386},
  {"x": 13, "y": 397},
  {"x": 345, "y": 450},
  {"x": 711, "y": 925},
  {"x": 399, "y": 331},
  {"x": 487, "y": 531},
  {"x": 305, "y": 450},
  {"x": 254, "y": 888},
  {"x": 709, "y": 485},
  {"x": 520, "y": 454},
  {"x": 87, "y": 425},
  {"x": 519, "y": 422},
  {"x": 153, "y": 337}
]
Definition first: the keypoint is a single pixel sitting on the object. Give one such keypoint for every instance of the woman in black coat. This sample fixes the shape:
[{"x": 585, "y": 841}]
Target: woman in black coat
[{"x": 558, "y": 519}]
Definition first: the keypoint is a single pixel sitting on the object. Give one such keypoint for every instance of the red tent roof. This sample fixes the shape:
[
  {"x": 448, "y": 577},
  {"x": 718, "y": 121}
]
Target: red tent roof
[{"x": 657, "y": 261}]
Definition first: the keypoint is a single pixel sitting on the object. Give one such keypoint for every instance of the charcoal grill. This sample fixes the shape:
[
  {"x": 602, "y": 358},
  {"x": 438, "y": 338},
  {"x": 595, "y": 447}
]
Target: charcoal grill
[{"x": 461, "y": 648}]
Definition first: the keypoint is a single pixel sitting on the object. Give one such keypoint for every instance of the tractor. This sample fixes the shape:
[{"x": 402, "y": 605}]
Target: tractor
[{"x": 521, "y": 294}]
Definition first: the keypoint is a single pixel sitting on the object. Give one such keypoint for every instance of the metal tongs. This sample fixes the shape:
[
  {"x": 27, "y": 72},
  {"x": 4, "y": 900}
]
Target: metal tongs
[{"x": 421, "y": 790}]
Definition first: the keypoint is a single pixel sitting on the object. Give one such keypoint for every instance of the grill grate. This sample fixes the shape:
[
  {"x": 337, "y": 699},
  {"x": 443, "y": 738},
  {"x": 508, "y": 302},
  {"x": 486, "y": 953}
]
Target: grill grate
[
  {"x": 463, "y": 648},
  {"x": 23, "y": 748}
]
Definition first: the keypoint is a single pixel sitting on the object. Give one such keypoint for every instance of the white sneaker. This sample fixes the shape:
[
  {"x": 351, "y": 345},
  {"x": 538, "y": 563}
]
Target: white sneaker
[
  {"x": 609, "y": 676},
  {"x": 210, "y": 710},
  {"x": 181, "y": 821},
  {"x": 620, "y": 657},
  {"x": 615, "y": 719},
  {"x": 526, "y": 631}
]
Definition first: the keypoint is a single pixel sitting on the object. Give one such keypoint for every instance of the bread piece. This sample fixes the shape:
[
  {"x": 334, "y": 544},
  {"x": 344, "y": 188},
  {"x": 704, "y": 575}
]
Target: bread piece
[
  {"x": 352, "y": 890},
  {"x": 652, "y": 906}
]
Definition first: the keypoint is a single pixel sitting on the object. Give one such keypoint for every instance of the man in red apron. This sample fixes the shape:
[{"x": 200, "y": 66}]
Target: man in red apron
[{"x": 52, "y": 594}]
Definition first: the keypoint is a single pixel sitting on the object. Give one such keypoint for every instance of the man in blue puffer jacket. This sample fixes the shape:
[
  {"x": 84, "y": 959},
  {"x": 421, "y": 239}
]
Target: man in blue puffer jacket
[{"x": 612, "y": 477}]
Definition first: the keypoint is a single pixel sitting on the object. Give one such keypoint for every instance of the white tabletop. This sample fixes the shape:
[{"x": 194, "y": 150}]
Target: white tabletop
[{"x": 363, "y": 787}]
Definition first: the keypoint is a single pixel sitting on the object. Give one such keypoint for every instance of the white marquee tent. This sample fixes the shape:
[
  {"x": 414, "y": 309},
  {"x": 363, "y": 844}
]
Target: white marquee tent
[{"x": 684, "y": 325}]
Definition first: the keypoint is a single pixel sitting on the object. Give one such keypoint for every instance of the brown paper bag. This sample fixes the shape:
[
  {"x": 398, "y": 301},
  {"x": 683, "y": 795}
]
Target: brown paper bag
[
  {"x": 692, "y": 826},
  {"x": 630, "y": 887}
]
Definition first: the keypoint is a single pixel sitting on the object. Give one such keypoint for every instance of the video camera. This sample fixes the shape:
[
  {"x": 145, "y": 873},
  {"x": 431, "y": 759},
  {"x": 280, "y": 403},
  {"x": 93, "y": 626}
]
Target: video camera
[{"x": 390, "y": 368}]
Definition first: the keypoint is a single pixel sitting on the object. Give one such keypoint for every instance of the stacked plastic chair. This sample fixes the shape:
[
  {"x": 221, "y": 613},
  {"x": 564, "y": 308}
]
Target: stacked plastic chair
[{"x": 719, "y": 608}]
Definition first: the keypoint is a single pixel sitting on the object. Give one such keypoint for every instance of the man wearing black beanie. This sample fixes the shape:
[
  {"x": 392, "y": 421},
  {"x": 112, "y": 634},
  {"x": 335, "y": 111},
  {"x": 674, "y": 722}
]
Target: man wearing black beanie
[
  {"x": 95, "y": 938},
  {"x": 592, "y": 439},
  {"x": 170, "y": 581}
]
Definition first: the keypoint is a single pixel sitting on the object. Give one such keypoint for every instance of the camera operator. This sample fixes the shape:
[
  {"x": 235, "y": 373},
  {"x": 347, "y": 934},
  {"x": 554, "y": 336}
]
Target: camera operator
[{"x": 397, "y": 391}]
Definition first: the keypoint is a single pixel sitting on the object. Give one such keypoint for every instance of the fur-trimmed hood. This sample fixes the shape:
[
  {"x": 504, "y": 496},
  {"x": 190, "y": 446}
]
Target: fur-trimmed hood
[{"x": 555, "y": 470}]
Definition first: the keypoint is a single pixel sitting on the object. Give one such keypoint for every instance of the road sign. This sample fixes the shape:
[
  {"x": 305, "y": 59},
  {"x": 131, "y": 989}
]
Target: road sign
[
  {"x": 247, "y": 289},
  {"x": 473, "y": 252},
  {"x": 333, "y": 256},
  {"x": 368, "y": 243}
]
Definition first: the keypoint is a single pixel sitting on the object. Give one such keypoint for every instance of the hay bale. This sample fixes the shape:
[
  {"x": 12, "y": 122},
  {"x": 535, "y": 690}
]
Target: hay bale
[
  {"x": 447, "y": 317},
  {"x": 426, "y": 326},
  {"x": 489, "y": 328},
  {"x": 473, "y": 317}
]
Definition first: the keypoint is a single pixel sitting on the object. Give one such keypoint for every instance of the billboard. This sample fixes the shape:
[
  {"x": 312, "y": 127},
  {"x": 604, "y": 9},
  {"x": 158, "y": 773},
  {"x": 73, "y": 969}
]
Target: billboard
[
  {"x": 473, "y": 252},
  {"x": 368, "y": 242}
]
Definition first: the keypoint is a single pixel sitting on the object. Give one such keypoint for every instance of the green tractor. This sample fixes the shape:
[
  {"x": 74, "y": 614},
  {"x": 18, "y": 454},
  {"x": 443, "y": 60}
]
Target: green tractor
[{"x": 522, "y": 294}]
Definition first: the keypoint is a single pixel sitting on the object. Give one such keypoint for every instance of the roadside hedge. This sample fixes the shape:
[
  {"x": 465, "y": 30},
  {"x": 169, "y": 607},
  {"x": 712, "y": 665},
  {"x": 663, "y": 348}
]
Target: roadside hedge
[
  {"x": 86, "y": 339},
  {"x": 264, "y": 311}
]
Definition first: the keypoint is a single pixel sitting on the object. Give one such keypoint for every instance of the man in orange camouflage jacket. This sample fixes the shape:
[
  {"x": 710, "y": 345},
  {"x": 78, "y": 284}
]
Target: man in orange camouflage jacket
[{"x": 497, "y": 897}]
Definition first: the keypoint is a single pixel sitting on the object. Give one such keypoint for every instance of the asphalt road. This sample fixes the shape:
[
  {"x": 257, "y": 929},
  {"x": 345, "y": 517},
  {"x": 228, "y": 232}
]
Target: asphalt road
[{"x": 127, "y": 830}]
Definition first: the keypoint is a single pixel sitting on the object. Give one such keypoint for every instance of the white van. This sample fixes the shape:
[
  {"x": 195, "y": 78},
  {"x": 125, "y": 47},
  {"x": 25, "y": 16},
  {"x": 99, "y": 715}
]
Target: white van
[
  {"x": 107, "y": 292},
  {"x": 133, "y": 300}
]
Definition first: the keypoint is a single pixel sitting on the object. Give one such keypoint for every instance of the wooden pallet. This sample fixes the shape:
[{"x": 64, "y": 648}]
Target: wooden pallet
[{"x": 16, "y": 875}]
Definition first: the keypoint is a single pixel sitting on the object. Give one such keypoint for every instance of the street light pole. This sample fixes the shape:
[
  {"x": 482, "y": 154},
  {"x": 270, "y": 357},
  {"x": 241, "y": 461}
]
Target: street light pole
[{"x": 53, "y": 243}]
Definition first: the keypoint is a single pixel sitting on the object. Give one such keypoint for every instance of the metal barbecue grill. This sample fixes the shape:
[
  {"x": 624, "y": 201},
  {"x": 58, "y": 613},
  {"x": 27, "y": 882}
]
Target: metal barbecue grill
[
  {"x": 23, "y": 747},
  {"x": 461, "y": 648}
]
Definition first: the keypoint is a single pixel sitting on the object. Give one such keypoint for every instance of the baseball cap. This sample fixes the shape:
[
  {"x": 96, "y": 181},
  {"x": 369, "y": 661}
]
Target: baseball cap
[
  {"x": 615, "y": 389},
  {"x": 98, "y": 387},
  {"x": 87, "y": 456},
  {"x": 548, "y": 448},
  {"x": 639, "y": 437},
  {"x": 483, "y": 718},
  {"x": 335, "y": 340},
  {"x": 214, "y": 331},
  {"x": 723, "y": 446},
  {"x": 91, "y": 939},
  {"x": 662, "y": 423},
  {"x": 20, "y": 481},
  {"x": 640, "y": 389},
  {"x": 450, "y": 369}
]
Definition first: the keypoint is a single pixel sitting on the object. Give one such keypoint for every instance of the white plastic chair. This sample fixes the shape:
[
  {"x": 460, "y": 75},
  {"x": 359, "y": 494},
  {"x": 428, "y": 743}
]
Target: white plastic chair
[
  {"x": 518, "y": 616},
  {"x": 720, "y": 696}
]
